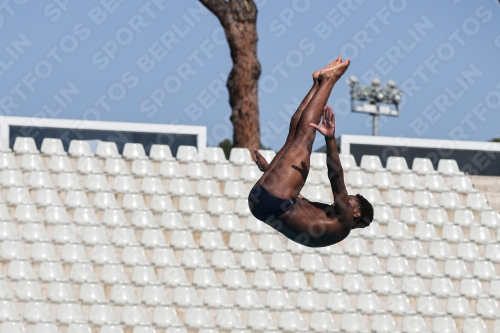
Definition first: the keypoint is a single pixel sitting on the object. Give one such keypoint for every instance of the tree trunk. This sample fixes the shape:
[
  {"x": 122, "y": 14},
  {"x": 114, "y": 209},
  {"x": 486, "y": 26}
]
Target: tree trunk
[{"x": 238, "y": 18}]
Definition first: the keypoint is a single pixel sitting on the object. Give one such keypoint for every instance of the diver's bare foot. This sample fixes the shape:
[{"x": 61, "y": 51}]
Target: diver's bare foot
[
  {"x": 316, "y": 75},
  {"x": 335, "y": 62},
  {"x": 335, "y": 70}
]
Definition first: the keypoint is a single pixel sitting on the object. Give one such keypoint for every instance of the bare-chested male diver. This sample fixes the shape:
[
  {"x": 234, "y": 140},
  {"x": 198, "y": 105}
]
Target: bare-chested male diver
[{"x": 275, "y": 198}]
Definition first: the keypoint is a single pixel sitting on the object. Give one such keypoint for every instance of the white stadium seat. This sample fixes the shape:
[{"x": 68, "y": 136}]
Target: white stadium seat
[
  {"x": 113, "y": 217},
  {"x": 435, "y": 182},
  {"x": 347, "y": 160},
  {"x": 462, "y": 184},
  {"x": 8, "y": 231},
  {"x": 448, "y": 167},
  {"x": 18, "y": 195},
  {"x": 443, "y": 287},
  {"x": 224, "y": 171},
  {"x": 7, "y": 161},
  {"x": 241, "y": 156},
  {"x": 383, "y": 180},
  {"x": 396, "y": 197},
  {"x": 384, "y": 284},
  {"x": 26, "y": 213},
  {"x": 115, "y": 166},
  {"x": 88, "y": 165},
  {"x": 423, "y": 199},
  {"x": 471, "y": 288},
  {"x": 437, "y": 216},
  {"x": 133, "y": 201},
  {"x": 162, "y": 203},
  {"x": 133, "y": 151},
  {"x": 84, "y": 272},
  {"x": 422, "y": 166},
  {"x": 353, "y": 322},
  {"x": 383, "y": 323},
  {"x": 476, "y": 201},
  {"x": 251, "y": 173},
  {"x": 25, "y": 146},
  {"x": 338, "y": 302},
  {"x": 92, "y": 293},
  {"x": 235, "y": 278},
  {"x": 69, "y": 181},
  {"x": 79, "y": 148},
  {"x": 296, "y": 280},
  {"x": 152, "y": 185},
  {"x": 154, "y": 295},
  {"x": 165, "y": 317},
  {"x": 10, "y": 178},
  {"x": 371, "y": 163},
  {"x": 444, "y": 325},
  {"x": 180, "y": 187},
  {"x": 101, "y": 314},
  {"x": 205, "y": 277},
  {"x": 292, "y": 321},
  {"x": 69, "y": 313},
  {"x": 208, "y": 188},
  {"x": 354, "y": 283},
  {"x": 260, "y": 320},
  {"x": 160, "y": 153},
  {"x": 341, "y": 264},
  {"x": 229, "y": 319},
  {"x": 414, "y": 324},
  {"x": 50, "y": 272},
  {"x": 383, "y": 247},
  {"x": 216, "y": 297},
  {"x": 356, "y": 178},
  {"x": 214, "y": 155},
  {"x": 474, "y": 325},
  {"x": 429, "y": 306},
  {"x": 187, "y": 154},
  {"x": 60, "y": 164},
  {"x": 235, "y": 189},
  {"x": 170, "y": 169},
  {"x": 411, "y": 248},
  {"x": 468, "y": 251},
  {"x": 265, "y": 279},
  {"x": 28, "y": 291},
  {"x": 480, "y": 234},
  {"x": 409, "y": 181},
  {"x": 107, "y": 149},
  {"x": 40, "y": 179},
  {"x": 396, "y": 164},
  {"x": 490, "y": 218},
  {"x": 52, "y": 147},
  {"x": 322, "y": 322}
]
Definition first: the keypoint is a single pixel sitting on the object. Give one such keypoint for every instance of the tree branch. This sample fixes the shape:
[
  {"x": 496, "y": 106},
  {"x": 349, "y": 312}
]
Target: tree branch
[
  {"x": 243, "y": 10},
  {"x": 238, "y": 10},
  {"x": 219, "y": 8}
]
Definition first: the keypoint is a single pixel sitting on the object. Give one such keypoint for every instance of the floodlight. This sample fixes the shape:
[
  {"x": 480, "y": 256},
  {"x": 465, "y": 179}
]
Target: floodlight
[
  {"x": 391, "y": 84},
  {"x": 352, "y": 80},
  {"x": 375, "y": 82},
  {"x": 380, "y": 95},
  {"x": 375, "y": 94}
]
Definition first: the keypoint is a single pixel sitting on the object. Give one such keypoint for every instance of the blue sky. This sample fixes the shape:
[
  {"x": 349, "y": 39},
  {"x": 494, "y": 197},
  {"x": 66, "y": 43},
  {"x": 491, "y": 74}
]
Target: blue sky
[{"x": 167, "y": 62}]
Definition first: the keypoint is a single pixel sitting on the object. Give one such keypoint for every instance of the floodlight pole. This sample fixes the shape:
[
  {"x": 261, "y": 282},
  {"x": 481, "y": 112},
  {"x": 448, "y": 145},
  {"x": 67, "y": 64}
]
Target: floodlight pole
[
  {"x": 375, "y": 124},
  {"x": 375, "y": 121}
]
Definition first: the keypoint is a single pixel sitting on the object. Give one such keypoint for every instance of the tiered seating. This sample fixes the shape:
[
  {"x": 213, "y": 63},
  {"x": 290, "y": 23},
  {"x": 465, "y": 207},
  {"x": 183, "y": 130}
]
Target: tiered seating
[{"x": 129, "y": 243}]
